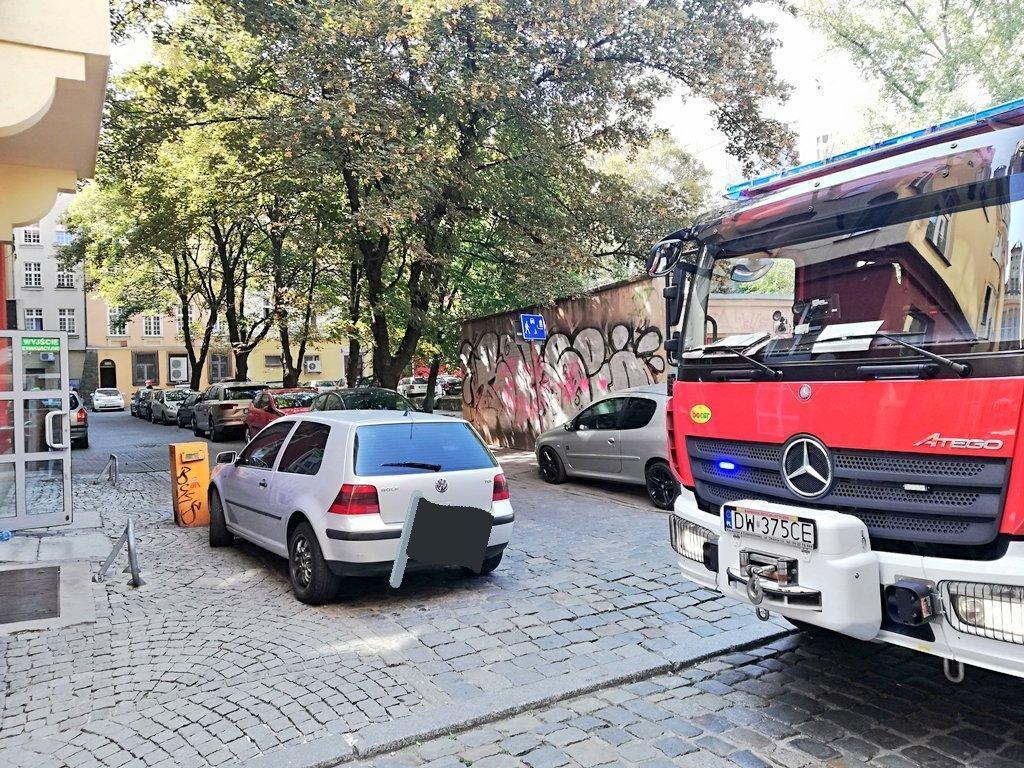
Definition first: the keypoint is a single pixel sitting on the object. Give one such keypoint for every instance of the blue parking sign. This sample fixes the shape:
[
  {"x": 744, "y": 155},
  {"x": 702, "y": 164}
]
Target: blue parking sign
[{"x": 533, "y": 327}]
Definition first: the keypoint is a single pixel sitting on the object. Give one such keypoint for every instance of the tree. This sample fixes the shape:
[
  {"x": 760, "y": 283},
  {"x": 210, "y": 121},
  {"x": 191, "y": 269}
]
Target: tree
[
  {"x": 935, "y": 58},
  {"x": 447, "y": 119}
]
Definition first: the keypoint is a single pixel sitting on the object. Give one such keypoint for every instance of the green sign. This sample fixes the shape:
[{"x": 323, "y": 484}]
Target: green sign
[{"x": 40, "y": 344}]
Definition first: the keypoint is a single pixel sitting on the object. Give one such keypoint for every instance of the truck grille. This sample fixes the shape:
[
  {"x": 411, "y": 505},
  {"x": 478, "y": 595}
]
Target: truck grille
[{"x": 962, "y": 503}]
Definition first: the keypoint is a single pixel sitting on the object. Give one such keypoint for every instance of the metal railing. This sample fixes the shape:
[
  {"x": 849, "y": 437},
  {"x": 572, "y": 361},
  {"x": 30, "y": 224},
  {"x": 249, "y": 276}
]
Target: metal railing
[
  {"x": 110, "y": 470},
  {"x": 126, "y": 538}
]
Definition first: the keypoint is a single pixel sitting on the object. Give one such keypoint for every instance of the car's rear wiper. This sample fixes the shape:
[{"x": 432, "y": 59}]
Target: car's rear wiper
[
  {"x": 775, "y": 373},
  {"x": 413, "y": 465},
  {"x": 960, "y": 369}
]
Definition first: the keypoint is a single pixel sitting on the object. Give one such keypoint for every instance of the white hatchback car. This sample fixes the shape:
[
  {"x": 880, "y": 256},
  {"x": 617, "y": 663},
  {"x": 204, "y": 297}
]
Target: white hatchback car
[
  {"x": 107, "y": 399},
  {"x": 330, "y": 490}
]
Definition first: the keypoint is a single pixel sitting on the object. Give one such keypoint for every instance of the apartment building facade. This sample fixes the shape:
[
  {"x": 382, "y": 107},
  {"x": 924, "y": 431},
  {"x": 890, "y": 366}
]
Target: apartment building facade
[
  {"x": 49, "y": 296},
  {"x": 131, "y": 352}
]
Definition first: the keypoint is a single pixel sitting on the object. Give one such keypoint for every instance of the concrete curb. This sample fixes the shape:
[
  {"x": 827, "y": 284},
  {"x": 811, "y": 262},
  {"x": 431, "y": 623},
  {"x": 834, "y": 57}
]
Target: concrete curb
[{"x": 381, "y": 738}]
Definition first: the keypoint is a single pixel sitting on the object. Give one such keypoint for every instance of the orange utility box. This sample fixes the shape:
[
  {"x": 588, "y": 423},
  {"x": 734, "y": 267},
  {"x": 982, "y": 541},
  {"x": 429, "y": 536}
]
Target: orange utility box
[{"x": 190, "y": 483}]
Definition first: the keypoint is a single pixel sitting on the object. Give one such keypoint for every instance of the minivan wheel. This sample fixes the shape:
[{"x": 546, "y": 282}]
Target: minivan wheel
[
  {"x": 662, "y": 486},
  {"x": 551, "y": 468},
  {"x": 312, "y": 581},
  {"x": 220, "y": 536}
]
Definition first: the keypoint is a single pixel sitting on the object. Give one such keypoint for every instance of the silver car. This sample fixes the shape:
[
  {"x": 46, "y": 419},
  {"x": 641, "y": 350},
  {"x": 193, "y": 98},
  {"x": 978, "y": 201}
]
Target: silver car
[
  {"x": 222, "y": 407},
  {"x": 621, "y": 437},
  {"x": 163, "y": 408}
]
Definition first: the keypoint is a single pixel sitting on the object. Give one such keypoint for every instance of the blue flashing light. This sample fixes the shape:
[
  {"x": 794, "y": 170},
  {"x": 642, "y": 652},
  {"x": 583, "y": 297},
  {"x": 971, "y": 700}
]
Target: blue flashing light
[
  {"x": 728, "y": 466},
  {"x": 745, "y": 188}
]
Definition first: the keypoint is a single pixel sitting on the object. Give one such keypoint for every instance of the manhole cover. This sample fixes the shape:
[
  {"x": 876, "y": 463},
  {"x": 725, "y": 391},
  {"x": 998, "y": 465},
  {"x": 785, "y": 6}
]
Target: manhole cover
[{"x": 29, "y": 594}]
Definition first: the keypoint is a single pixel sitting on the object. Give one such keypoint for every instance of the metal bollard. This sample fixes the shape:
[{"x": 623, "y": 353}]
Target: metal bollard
[
  {"x": 110, "y": 470},
  {"x": 126, "y": 538}
]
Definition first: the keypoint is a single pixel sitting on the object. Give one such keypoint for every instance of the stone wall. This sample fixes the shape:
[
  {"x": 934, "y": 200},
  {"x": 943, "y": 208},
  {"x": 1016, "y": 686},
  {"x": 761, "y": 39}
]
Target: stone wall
[{"x": 605, "y": 341}]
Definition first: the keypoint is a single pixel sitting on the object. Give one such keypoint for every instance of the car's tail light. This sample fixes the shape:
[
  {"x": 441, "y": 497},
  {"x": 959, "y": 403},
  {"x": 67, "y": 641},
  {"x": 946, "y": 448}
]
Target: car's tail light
[
  {"x": 500, "y": 488},
  {"x": 356, "y": 500},
  {"x": 226, "y": 406},
  {"x": 82, "y": 416}
]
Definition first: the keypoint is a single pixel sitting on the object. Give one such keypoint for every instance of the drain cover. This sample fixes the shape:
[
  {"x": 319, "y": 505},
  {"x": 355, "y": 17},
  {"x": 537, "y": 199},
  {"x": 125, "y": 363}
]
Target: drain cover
[{"x": 29, "y": 594}]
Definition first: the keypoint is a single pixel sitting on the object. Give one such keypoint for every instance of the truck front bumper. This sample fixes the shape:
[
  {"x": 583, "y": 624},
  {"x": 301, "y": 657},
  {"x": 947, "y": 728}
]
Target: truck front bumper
[{"x": 839, "y": 584}]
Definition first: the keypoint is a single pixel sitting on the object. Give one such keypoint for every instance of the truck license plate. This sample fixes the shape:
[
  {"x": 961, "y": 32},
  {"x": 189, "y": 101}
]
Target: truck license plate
[{"x": 771, "y": 526}]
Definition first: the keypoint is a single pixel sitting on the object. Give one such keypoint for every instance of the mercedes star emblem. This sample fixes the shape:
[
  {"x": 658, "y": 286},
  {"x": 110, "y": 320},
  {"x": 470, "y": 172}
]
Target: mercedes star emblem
[
  {"x": 807, "y": 467},
  {"x": 441, "y": 485}
]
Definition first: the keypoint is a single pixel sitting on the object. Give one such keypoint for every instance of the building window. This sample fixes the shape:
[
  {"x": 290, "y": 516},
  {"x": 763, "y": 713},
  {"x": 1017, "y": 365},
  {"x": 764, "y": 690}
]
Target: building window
[
  {"x": 66, "y": 321},
  {"x": 65, "y": 278},
  {"x": 62, "y": 237},
  {"x": 272, "y": 361},
  {"x": 937, "y": 233},
  {"x": 144, "y": 368},
  {"x": 33, "y": 319},
  {"x": 220, "y": 366},
  {"x": 152, "y": 325},
  {"x": 33, "y": 274},
  {"x": 30, "y": 235},
  {"x": 115, "y": 322}
]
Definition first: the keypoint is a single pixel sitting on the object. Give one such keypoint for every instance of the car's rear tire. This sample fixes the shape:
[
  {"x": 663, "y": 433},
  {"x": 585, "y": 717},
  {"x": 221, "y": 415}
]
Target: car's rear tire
[
  {"x": 82, "y": 442},
  {"x": 490, "y": 563},
  {"x": 195, "y": 428},
  {"x": 215, "y": 434},
  {"x": 220, "y": 536},
  {"x": 662, "y": 486},
  {"x": 312, "y": 580},
  {"x": 550, "y": 465}
]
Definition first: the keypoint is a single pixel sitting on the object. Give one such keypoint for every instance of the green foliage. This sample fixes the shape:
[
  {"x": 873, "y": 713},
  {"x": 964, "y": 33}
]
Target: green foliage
[{"x": 936, "y": 58}]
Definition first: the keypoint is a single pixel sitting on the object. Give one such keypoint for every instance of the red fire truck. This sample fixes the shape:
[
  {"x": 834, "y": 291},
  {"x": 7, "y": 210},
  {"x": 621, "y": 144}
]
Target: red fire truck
[{"x": 845, "y": 420}]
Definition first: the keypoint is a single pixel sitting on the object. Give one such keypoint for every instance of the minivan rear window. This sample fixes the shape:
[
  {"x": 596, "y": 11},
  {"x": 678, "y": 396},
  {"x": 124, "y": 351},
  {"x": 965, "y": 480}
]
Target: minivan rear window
[{"x": 416, "y": 447}]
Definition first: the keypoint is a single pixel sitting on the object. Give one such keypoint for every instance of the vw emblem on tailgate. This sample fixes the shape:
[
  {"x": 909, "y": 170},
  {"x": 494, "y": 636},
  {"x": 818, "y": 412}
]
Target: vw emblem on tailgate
[
  {"x": 807, "y": 467},
  {"x": 441, "y": 485}
]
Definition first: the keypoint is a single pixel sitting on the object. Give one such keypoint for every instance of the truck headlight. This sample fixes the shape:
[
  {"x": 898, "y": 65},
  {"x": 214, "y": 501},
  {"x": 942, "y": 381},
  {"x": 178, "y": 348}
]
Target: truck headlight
[
  {"x": 995, "y": 611},
  {"x": 689, "y": 540}
]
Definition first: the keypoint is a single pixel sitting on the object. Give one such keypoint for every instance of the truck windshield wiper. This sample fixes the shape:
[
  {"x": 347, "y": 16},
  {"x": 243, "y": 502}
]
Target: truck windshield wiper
[
  {"x": 960, "y": 369},
  {"x": 775, "y": 373},
  {"x": 413, "y": 465}
]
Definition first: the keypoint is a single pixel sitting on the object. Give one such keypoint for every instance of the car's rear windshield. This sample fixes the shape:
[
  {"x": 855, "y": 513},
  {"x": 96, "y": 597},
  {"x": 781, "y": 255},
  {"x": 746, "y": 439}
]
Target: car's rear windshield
[
  {"x": 294, "y": 399},
  {"x": 242, "y": 393},
  {"x": 375, "y": 401},
  {"x": 174, "y": 395},
  {"x": 108, "y": 392},
  {"x": 414, "y": 447}
]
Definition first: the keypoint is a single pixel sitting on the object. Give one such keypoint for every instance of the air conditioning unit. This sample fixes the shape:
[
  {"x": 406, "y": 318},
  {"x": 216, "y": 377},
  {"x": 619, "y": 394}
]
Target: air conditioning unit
[
  {"x": 47, "y": 357},
  {"x": 178, "y": 369},
  {"x": 312, "y": 365}
]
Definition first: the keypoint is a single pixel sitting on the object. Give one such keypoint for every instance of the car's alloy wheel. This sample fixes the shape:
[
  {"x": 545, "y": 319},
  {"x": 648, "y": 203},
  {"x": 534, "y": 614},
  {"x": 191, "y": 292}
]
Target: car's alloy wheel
[
  {"x": 302, "y": 562},
  {"x": 312, "y": 580},
  {"x": 662, "y": 486},
  {"x": 551, "y": 469}
]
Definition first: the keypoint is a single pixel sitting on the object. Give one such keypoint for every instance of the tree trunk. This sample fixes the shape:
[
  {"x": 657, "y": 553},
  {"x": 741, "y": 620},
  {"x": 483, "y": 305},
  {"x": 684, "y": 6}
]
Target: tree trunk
[
  {"x": 428, "y": 400},
  {"x": 242, "y": 364},
  {"x": 354, "y": 369}
]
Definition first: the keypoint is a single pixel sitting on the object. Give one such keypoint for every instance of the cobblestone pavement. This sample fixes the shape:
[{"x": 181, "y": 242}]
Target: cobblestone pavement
[
  {"x": 794, "y": 702},
  {"x": 213, "y": 661}
]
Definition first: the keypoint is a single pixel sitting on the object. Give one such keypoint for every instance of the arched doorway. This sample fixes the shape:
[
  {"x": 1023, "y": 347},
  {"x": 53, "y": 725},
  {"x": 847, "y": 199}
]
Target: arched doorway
[{"x": 108, "y": 375}]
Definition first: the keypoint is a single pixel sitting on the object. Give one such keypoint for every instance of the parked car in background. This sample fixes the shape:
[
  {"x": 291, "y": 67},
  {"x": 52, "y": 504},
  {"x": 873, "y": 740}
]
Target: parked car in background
[
  {"x": 107, "y": 400},
  {"x": 78, "y": 418},
  {"x": 145, "y": 404},
  {"x": 323, "y": 385},
  {"x": 621, "y": 437},
  {"x": 223, "y": 407},
  {"x": 330, "y": 491},
  {"x": 136, "y": 396},
  {"x": 452, "y": 385},
  {"x": 184, "y": 414},
  {"x": 163, "y": 407},
  {"x": 416, "y": 386},
  {"x": 271, "y": 404},
  {"x": 362, "y": 399}
]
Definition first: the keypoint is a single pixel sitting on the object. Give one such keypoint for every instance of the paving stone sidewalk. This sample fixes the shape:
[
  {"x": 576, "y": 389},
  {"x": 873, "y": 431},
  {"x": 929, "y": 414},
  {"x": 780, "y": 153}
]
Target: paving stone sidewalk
[
  {"x": 214, "y": 661},
  {"x": 795, "y": 702}
]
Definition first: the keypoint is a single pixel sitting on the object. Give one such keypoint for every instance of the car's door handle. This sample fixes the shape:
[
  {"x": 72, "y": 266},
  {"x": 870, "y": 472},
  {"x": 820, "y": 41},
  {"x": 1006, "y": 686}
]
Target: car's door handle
[
  {"x": 611, "y": 441},
  {"x": 263, "y": 483}
]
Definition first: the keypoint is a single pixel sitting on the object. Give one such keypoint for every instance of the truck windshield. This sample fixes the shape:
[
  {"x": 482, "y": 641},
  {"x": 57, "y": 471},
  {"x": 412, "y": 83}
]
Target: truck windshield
[{"x": 949, "y": 282}]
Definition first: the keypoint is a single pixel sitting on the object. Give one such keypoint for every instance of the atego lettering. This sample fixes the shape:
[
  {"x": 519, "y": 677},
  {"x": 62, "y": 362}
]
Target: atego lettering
[{"x": 936, "y": 440}]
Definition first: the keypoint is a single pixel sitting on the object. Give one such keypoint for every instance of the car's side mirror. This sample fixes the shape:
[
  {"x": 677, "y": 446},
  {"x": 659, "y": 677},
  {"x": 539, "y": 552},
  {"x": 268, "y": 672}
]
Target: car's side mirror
[
  {"x": 567, "y": 426},
  {"x": 226, "y": 457}
]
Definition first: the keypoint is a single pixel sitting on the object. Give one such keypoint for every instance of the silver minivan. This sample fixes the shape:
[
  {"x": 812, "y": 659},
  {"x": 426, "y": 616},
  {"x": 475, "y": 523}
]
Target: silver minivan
[{"x": 620, "y": 437}]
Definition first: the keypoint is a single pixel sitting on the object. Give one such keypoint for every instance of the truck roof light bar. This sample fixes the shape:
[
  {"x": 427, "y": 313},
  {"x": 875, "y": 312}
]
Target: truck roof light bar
[{"x": 960, "y": 126}]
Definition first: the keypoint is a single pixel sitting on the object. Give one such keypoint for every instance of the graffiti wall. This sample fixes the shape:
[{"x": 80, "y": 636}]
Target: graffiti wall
[{"x": 605, "y": 341}]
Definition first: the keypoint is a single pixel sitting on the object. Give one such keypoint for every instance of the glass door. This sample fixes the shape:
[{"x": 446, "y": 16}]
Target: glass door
[{"x": 35, "y": 430}]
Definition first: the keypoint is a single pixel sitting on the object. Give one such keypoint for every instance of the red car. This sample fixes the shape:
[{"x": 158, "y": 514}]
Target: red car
[{"x": 271, "y": 404}]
